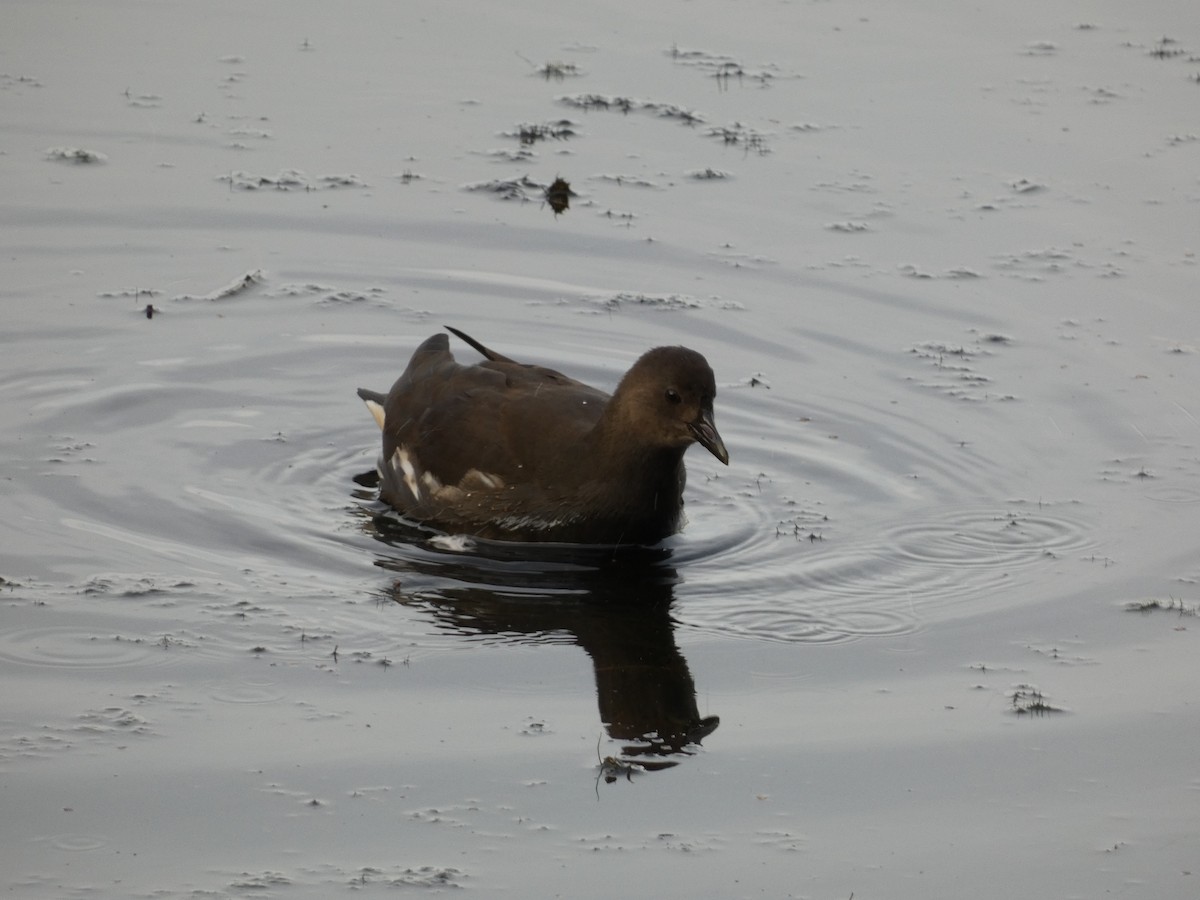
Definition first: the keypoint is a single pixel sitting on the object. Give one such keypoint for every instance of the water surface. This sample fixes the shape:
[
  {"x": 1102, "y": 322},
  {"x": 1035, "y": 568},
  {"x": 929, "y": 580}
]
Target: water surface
[{"x": 942, "y": 264}]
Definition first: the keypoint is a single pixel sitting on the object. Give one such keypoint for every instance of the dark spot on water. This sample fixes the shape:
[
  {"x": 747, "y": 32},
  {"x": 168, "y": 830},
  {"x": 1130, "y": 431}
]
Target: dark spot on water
[
  {"x": 528, "y": 134},
  {"x": 1027, "y": 700},
  {"x": 558, "y": 70},
  {"x": 76, "y": 155},
  {"x": 708, "y": 174},
  {"x": 559, "y": 195},
  {"x": 1167, "y": 48}
]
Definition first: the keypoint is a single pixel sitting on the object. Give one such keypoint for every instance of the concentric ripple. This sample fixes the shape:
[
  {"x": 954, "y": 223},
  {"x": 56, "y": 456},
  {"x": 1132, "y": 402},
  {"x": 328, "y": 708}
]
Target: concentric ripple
[
  {"x": 771, "y": 553},
  {"x": 841, "y": 517},
  {"x": 885, "y": 583},
  {"x": 65, "y": 646},
  {"x": 987, "y": 539}
]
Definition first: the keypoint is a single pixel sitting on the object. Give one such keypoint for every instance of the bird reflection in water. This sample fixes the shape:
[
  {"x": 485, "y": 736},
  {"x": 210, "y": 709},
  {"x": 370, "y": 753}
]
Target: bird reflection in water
[{"x": 615, "y": 604}]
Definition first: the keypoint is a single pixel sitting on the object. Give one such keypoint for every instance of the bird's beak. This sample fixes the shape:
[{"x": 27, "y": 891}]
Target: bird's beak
[{"x": 705, "y": 433}]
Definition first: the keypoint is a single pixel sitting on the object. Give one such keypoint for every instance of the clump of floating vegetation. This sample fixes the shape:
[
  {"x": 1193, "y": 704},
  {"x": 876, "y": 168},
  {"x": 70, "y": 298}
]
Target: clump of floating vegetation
[
  {"x": 793, "y": 528},
  {"x": 724, "y": 69},
  {"x": 588, "y": 102},
  {"x": 1167, "y": 48},
  {"x": 608, "y": 102},
  {"x": 1171, "y": 604},
  {"x": 554, "y": 68},
  {"x": 327, "y": 295},
  {"x": 739, "y": 135},
  {"x": 708, "y": 174},
  {"x": 557, "y": 70},
  {"x": 625, "y": 180},
  {"x": 653, "y": 301},
  {"x": 241, "y": 285},
  {"x": 76, "y": 155},
  {"x": 662, "y": 302},
  {"x": 289, "y": 180},
  {"x": 522, "y": 153},
  {"x": 523, "y": 188},
  {"x": 134, "y": 293},
  {"x": 623, "y": 217},
  {"x": 1027, "y": 700},
  {"x": 529, "y": 134},
  {"x": 7, "y": 81}
]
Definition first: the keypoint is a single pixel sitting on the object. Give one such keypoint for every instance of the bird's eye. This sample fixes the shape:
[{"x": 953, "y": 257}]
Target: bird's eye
[{"x": 673, "y": 395}]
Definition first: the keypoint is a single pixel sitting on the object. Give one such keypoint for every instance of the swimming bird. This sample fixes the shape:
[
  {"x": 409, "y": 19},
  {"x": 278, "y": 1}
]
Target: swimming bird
[{"x": 512, "y": 451}]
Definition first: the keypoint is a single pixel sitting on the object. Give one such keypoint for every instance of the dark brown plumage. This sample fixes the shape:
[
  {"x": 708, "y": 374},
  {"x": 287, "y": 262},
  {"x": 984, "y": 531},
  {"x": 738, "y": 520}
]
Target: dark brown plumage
[{"x": 511, "y": 451}]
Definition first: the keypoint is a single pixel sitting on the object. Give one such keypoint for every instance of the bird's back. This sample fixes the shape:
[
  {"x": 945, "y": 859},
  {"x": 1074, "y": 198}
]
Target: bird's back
[{"x": 500, "y": 417}]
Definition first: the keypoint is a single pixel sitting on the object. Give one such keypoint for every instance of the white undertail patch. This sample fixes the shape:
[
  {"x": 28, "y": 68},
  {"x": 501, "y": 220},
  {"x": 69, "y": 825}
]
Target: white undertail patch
[
  {"x": 403, "y": 462},
  {"x": 475, "y": 480},
  {"x": 377, "y": 413},
  {"x": 454, "y": 543}
]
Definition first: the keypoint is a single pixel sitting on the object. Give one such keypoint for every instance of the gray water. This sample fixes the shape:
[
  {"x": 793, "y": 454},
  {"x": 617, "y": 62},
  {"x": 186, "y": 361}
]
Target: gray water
[{"x": 942, "y": 263}]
